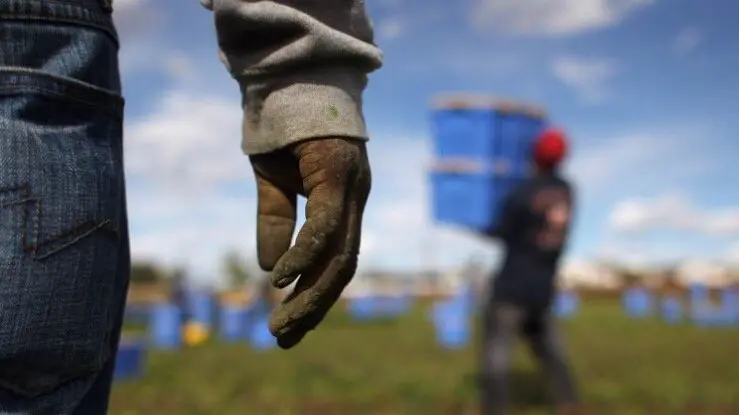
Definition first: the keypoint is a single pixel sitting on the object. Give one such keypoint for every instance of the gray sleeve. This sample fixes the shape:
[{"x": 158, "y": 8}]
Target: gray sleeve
[{"x": 302, "y": 66}]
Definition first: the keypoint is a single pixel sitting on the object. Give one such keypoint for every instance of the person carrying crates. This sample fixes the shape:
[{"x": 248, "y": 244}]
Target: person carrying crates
[{"x": 534, "y": 227}]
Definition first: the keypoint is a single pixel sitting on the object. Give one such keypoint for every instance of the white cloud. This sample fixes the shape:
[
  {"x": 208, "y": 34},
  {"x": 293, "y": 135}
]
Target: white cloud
[
  {"x": 179, "y": 66},
  {"x": 609, "y": 171},
  {"x": 390, "y": 28},
  {"x": 178, "y": 159},
  {"x": 551, "y": 17},
  {"x": 687, "y": 40},
  {"x": 589, "y": 77},
  {"x": 598, "y": 166},
  {"x": 673, "y": 211},
  {"x": 189, "y": 143},
  {"x": 628, "y": 162},
  {"x": 396, "y": 22},
  {"x": 399, "y": 231},
  {"x": 178, "y": 230}
]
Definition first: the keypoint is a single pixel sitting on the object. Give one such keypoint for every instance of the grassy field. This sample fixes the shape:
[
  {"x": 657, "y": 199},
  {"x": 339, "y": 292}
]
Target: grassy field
[{"x": 395, "y": 367}]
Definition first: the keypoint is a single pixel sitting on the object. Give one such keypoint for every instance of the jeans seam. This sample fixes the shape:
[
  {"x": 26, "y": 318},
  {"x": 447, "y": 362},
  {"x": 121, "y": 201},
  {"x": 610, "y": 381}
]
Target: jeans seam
[
  {"x": 62, "y": 78},
  {"x": 32, "y": 215},
  {"x": 82, "y": 92},
  {"x": 51, "y": 94},
  {"x": 78, "y": 22}
]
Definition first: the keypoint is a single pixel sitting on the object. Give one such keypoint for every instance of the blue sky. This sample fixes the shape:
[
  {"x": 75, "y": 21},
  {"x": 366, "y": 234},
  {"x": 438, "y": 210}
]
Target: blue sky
[{"x": 646, "y": 89}]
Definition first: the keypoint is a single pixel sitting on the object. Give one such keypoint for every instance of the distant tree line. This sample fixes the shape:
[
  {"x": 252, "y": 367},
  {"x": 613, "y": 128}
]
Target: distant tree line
[{"x": 238, "y": 271}]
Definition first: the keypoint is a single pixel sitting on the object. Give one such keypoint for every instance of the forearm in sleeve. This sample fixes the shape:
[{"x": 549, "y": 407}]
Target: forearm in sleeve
[{"x": 302, "y": 66}]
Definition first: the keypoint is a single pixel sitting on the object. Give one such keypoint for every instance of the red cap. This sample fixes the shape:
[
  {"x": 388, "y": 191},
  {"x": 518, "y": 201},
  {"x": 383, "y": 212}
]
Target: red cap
[{"x": 550, "y": 147}]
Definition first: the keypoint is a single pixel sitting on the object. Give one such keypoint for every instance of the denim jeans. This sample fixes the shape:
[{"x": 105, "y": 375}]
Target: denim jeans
[
  {"x": 64, "y": 247},
  {"x": 502, "y": 323}
]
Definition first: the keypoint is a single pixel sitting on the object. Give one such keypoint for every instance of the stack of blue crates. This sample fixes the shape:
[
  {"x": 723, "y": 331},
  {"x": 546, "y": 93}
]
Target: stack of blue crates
[{"x": 482, "y": 148}]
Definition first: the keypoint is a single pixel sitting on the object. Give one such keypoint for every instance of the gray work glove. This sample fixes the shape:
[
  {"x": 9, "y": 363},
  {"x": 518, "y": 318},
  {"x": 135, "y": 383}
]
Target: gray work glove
[{"x": 334, "y": 175}]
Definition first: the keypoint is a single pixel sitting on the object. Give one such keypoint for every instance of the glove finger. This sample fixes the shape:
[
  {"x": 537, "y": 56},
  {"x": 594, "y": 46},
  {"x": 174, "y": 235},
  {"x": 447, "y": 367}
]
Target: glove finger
[
  {"x": 319, "y": 288},
  {"x": 317, "y": 291},
  {"x": 325, "y": 178},
  {"x": 276, "y": 217}
]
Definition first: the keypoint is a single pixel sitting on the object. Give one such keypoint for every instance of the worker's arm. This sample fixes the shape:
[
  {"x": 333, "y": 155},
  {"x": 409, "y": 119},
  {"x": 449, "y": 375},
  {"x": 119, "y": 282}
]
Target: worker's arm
[{"x": 302, "y": 67}]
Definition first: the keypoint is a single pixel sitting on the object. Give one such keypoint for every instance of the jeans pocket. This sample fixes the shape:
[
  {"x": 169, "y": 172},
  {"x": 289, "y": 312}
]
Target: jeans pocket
[{"x": 61, "y": 208}]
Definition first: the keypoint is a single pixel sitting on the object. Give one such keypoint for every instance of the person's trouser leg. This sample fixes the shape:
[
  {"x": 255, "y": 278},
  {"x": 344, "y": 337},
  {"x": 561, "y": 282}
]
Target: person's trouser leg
[
  {"x": 501, "y": 325},
  {"x": 546, "y": 344},
  {"x": 64, "y": 254}
]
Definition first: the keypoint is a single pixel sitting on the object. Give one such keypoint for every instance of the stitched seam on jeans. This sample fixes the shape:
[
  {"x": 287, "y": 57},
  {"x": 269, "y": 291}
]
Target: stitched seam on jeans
[
  {"x": 116, "y": 111},
  {"x": 86, "y": 228},
  {"x": 71, "y": 21},
  {"x": 32, "y": 214},
  {"x": 21, "y": 70}
]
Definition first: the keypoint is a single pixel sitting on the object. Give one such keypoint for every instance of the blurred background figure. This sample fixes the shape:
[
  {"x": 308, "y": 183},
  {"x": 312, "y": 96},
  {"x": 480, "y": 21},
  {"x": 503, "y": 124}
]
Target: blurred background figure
[{"x": 534, "y": 227}]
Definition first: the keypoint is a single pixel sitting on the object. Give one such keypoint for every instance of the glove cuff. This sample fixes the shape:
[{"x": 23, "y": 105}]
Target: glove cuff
[{"x": 325, "y": 102}]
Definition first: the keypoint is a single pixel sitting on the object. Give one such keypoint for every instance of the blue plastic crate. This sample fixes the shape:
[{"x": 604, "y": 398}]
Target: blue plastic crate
[
  {"x": 485, "y": 132},
  {"x": 480, "y": 153},
  {"x": 730, "y": 299},
  {"x": 202, "y": 307},
  {"x": 234, "y": 323},
  {"x": 638, "y": 302},
  {"x": 260, "y": 338},
  {"x": 672, "y": 310},
  {"x": 567, "y": 304},
  {"x": 452, "y": 325},
  {"x": 469, "y": 200},
  {"x": 379, "y": 306},
  {"x": 166, "y": 327},
  {"x": 130, "y": 360},
  {"x": 699, "y": 295},
  {"x": 466, "y": 133}
]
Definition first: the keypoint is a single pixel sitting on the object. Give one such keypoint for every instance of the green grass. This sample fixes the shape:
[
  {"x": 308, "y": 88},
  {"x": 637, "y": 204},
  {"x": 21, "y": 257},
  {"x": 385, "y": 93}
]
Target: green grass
[{"x": 395, "y": 367}]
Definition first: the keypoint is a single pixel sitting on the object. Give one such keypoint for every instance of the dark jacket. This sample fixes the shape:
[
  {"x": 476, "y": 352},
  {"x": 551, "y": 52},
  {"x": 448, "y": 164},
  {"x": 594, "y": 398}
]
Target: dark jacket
[{"x": 534, "y": 226}]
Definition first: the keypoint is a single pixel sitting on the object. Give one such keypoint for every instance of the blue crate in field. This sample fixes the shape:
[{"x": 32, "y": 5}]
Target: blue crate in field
[
  {"x": 379, "y": 306},
  {"x": 469, "y": 127},
  {"x": 260, "y": 337},
  {"x": 566, "y": 304},
  {"x": 730, "y": 299},
  {"x": 699, "y": 295},
  {"x": 470, "y": 200},
  {"x": 234, "y": 324},
  {"x": 711, "y": 316},
  {"x": 671, "y": 309},
  {"x": 166, "y": 326},
  {"x": 201, "y": 307},
  {"x": 130, "y": 361},
  {"x": 638, "y": 302},
  {"x": 452, "y": 322},
  {"x": 482, "y": 149}
]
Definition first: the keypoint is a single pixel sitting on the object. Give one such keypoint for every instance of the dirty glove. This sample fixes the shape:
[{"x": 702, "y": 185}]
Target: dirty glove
[{"x": 334, "y": 175}]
